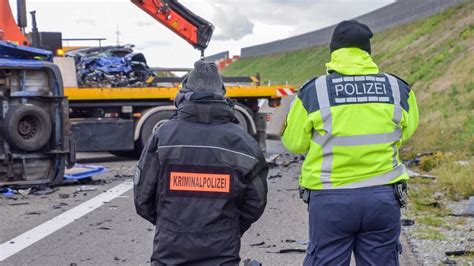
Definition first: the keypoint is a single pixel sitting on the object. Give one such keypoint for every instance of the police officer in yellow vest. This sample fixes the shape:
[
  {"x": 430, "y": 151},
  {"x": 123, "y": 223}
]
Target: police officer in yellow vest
[{"x": 350, "y": 124}]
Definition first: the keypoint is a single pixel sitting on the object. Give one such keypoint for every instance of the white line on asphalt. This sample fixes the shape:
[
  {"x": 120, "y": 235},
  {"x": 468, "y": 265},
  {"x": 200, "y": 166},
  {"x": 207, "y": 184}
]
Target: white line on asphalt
[{"x": 14, "y": 245}]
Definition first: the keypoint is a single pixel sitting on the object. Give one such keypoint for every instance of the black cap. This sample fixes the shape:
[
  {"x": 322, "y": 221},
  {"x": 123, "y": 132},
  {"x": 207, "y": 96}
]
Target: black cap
[
  {"x": 351, "y": 33},
  {"x": 205, "y": 77}
]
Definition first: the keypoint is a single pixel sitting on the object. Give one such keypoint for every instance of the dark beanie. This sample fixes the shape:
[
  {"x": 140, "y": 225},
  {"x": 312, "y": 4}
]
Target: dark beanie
[
  {"x": 205, "y": 77},
  {"x": 351, "y": 33}
]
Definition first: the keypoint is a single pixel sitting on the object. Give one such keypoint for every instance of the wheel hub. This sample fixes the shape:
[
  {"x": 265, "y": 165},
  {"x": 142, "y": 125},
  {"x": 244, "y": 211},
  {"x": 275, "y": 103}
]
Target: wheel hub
[{"x": 28, "y": 127}]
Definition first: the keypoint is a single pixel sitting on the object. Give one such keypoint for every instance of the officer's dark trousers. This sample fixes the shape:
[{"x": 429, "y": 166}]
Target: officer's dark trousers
[{"x": 365, "y": 221}]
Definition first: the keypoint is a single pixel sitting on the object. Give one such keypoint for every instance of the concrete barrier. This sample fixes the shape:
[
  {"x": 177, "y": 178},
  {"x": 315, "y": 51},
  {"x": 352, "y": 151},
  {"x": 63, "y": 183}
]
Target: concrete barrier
[{"x": 400, "y": 12}]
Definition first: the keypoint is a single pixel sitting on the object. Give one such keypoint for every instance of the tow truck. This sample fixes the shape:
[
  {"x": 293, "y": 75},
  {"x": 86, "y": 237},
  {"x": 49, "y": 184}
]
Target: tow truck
[{"x": 43, "y": 124}]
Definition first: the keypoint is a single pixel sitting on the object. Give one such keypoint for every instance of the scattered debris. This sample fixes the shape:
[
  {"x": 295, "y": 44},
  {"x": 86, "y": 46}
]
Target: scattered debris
[
  {"x": 60, "y": 205},
  {"x": 278, "y": 175},
  {"x": 63, "y": 195},
  {"x": 25, "y": 192},
  {"x": 119, "y": 259},
  {"x": 416, "y": 161},
  {"x": 81, "y": 171},
  {"x": 407, "y": 222},
  {"x": 258, "y": 244},
  {"x": 287, "y": 163},
  {"x": 85, "y": 188},
  {"x": 33, "y": 213},
  {"x": 43, "y": 190},
  {"x": 18, "y": 203},
  {"x": 271, "y": 162},
  {"x": 460, "y": 253},
  {"x": 290, "y": 250},
  {"x": 463, "y": 163},
  {"x": 268, "y": 246},
  {"x": 302, "y": 242},
  {"x": 249, "y": 262},
  {"x": 122, "y": 176},
  {"x": 7, "y": 192},
  {"x": 111, "y": 66}
]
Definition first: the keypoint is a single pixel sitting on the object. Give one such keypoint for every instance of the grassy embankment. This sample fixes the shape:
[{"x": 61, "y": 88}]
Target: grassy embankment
[{"x": 436, "y": 56}]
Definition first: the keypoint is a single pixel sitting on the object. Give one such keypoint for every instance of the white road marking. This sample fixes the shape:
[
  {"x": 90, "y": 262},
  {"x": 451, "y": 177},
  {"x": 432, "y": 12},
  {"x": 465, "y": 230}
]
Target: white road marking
[{"x": 14, "y": 245}]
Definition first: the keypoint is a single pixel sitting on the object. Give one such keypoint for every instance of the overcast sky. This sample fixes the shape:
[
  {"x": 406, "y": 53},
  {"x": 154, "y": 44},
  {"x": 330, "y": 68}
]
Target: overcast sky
[{"x": 238, "y": 23}]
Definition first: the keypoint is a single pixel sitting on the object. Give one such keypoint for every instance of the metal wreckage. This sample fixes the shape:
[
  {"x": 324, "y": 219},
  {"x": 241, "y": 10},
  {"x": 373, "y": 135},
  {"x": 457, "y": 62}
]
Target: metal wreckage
[{"x": 111, "y": 67}]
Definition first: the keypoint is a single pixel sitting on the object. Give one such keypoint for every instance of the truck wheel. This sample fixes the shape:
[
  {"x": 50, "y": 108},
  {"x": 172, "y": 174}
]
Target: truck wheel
[
  {"x": 27, "y": 127},
  {"x": 242, "y": 120},
  {"x": 152, "y": 123}
]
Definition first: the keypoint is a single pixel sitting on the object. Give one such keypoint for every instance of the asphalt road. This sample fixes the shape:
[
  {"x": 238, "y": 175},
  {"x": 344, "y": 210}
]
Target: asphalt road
[{"x": 39, "y": 230}]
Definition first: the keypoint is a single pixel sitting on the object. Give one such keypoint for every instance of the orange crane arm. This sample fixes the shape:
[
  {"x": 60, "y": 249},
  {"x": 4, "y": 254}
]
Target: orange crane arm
[
  {"x": 194, "y": 29},
  {"x": 9, "y": 30}
]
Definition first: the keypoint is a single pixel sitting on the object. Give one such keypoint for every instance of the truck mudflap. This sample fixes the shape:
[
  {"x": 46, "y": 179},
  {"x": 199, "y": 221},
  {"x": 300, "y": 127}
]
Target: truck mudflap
[{"x": 34, "y": 127}]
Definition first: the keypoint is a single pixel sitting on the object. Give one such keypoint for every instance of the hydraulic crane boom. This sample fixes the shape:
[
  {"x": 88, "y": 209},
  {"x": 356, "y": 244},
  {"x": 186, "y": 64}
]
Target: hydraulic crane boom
[
  {"x": 9, "y": 30},
  {"x": 194, "y": 29}
]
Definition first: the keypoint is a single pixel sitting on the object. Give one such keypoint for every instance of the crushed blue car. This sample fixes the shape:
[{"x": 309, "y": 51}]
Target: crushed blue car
[{"x": 110, "y": 67}]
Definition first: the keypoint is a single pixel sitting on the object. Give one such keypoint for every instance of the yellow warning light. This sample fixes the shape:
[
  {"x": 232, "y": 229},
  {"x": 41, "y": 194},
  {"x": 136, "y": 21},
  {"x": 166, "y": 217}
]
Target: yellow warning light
[{"x": 60, "y": 52}]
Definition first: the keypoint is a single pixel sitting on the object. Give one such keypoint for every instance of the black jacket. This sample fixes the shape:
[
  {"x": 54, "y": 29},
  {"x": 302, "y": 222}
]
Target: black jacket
[{"x": 202, "y": 181}]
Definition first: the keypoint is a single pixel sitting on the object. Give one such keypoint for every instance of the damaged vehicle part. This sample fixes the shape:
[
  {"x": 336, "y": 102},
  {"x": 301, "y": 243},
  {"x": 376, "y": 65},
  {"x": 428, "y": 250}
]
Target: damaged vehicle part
[
  {"x": 111, "y": 66},
  {"x": 34, "y": 141}
]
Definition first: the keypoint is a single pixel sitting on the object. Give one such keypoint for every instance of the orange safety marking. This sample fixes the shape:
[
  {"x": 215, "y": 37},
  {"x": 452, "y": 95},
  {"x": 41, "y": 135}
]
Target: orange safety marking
[{"x": 200, "y": 182}]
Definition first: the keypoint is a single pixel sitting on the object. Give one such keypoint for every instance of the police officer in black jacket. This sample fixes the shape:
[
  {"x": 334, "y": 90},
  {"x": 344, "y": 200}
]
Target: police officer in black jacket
[{"x": 201, "y": 179}]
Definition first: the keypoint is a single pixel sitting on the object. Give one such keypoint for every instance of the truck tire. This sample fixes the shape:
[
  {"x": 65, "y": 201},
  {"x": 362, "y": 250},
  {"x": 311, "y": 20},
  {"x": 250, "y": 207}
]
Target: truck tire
[
  {"x": 27, "y": 127},
  {"x": 152, "y": 123},
  {"x": 242, "y": 120}
]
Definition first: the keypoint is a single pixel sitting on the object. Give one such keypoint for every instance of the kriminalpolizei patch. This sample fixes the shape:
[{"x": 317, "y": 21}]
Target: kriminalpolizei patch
[{"x": 199, "y": 181}]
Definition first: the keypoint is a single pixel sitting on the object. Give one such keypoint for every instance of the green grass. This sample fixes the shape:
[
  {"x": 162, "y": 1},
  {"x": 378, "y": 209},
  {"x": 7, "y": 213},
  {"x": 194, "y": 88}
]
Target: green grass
[
  {"x": 429, "y": 234},
  {"x": 430, "y": 220},
  {"x": 436, "y": 57}
]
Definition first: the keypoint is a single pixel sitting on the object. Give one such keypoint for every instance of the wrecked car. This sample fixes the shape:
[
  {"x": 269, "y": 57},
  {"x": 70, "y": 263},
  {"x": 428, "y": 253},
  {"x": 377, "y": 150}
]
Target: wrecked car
[
  {"x": 110, "y": 67},
  {"x": 35, "y": 145}
]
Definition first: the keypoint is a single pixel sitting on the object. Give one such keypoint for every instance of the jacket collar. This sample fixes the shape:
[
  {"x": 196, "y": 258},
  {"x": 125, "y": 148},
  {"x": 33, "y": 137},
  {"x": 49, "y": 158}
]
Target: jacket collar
[
  {"x": 204, "y": 107},
  {"x": 352, "y": 61}
]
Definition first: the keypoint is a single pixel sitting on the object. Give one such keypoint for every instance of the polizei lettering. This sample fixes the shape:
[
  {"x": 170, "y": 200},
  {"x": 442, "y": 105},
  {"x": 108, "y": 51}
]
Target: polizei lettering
[
  {"x": 181, "y": 181},
  {"x": 361, "y": 89}
]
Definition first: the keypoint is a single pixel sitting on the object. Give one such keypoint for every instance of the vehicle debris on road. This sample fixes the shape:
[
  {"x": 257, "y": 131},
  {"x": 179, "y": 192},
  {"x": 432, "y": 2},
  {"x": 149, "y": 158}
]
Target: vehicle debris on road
[
  {"x": 83, "y": 172},
  {"x": 258, "y": 244},
  {"x": 85, "y": 188},
  {"x": 289, "y": 250}
]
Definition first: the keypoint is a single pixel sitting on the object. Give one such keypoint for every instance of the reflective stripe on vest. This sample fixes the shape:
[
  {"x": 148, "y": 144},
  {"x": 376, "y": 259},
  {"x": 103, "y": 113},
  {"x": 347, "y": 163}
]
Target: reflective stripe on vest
[{"x": 328, "y": 141}]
